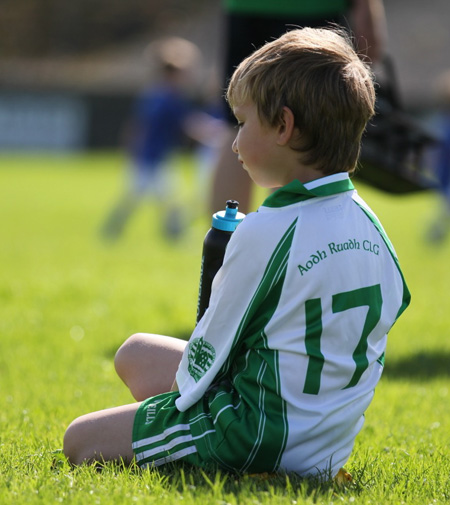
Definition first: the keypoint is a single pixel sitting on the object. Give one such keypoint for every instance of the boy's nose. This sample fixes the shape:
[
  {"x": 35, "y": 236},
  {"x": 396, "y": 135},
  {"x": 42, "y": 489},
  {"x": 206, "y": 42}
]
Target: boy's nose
[{"x": 234, "y": 146}]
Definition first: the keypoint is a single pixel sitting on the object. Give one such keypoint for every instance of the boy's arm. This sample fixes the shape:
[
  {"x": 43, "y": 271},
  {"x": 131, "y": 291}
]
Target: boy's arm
[
  {"x": 218, "y": 332},
  {"x": 368, "y": 23}
]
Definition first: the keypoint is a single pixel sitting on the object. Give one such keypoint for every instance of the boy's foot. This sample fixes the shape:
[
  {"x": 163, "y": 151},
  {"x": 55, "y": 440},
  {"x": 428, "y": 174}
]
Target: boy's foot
[
  {"x": 343, "y": 477},
  {"x": 262, "y": 476}
]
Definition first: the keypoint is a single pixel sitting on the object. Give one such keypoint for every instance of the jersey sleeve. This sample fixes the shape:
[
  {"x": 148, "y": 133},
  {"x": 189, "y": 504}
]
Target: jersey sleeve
[{"x": 216, "y": 333}]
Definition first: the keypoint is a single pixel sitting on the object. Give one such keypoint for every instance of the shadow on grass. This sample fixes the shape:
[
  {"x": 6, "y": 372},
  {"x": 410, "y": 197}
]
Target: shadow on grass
[
  {"x": 278, "y": 486},
  {"x": 424, "y": 365},
  {"x": 421, "y": 366}
]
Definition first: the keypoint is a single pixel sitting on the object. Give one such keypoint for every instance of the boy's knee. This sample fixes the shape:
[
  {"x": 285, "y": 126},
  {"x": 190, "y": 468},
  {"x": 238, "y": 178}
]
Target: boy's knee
[
  {"x": 75, "y": 445},
  {"x": 72, "y": 443},
  {"x": 124, "y": 355}
]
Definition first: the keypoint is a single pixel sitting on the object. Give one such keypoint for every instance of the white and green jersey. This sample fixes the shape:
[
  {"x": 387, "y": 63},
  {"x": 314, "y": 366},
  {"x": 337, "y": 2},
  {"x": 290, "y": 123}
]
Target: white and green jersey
[{"x": 281, "y": 368}]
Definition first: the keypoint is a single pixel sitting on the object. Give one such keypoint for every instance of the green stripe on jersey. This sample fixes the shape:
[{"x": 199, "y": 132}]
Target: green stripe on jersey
[
  {"x": 275, "y": 270},
  {"x": 377, "y": 224},
  {"x": 271, "y": 437},
  {"x": 256, "y": 374},
  {"x": 295, "y": 192}
]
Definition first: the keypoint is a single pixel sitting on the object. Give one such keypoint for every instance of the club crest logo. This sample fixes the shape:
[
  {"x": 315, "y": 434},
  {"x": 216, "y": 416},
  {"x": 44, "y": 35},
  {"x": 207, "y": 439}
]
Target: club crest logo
[{"x": 201, "y": 356}]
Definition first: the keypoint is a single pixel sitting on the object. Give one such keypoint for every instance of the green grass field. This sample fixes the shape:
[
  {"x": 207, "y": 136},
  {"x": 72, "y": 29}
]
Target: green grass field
[{"x": 68, "y": 300}]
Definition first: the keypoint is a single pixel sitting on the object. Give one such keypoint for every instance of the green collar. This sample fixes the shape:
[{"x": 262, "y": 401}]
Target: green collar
[{"x": 295, "y": 191}]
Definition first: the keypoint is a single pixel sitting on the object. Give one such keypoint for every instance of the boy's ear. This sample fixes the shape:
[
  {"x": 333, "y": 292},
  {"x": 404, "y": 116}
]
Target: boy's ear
[{"x": 286, "y": 126}]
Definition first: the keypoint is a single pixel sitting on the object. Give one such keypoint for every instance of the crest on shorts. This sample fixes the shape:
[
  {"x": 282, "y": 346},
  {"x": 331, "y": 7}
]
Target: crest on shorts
[{"x": 201, "y": 356}]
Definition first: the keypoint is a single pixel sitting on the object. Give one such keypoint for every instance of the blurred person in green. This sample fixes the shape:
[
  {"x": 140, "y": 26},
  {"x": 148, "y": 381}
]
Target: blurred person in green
[{"x": 251, "y": 23}]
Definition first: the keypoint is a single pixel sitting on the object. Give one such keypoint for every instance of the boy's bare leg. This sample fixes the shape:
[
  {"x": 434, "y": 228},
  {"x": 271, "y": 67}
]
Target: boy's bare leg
[
  {"x": 147, "y": 363},
  {"x": 101, "y": 436}
]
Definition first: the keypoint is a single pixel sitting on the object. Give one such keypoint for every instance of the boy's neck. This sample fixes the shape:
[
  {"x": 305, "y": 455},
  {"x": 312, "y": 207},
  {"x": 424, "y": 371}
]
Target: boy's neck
[
  {"x": 303, "y": 173},
  {"x": 292, "y": 166},
  {"x": 308, "y": 174}
]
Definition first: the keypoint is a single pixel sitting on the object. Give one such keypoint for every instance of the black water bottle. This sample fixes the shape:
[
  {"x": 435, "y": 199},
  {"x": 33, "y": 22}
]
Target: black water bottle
[{"x": 223, "y": 225}]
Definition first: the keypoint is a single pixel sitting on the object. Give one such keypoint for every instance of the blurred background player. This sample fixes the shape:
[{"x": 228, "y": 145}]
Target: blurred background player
[
  {"x": 440, "y": 227},
  {"x": 164, "y": 118},
  {"x": 249, "y": 24}
]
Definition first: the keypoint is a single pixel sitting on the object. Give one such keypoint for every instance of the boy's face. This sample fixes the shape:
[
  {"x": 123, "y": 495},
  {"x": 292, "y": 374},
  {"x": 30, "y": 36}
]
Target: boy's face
[{"x": 256, "y": 147}]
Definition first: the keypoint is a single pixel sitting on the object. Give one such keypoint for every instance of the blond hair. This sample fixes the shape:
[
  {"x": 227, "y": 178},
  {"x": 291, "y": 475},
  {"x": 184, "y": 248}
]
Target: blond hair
[{"x": 318, "y": 75}]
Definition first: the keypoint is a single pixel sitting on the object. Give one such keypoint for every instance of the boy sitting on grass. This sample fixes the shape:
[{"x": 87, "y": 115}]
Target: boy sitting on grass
[{"x": 278, "y": 373}]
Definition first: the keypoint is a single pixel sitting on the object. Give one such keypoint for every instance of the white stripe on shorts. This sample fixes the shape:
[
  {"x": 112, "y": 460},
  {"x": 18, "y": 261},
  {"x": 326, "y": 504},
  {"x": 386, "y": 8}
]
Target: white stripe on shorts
[
  {"x": 203, "y": 434},
  {"x": 166, "y": 447},
  {"x": 161, "y": 436},
  {"x": 199, "y": 417},
  {"x": 229, "y": 406},
  {"x": 172, "y": 457}
]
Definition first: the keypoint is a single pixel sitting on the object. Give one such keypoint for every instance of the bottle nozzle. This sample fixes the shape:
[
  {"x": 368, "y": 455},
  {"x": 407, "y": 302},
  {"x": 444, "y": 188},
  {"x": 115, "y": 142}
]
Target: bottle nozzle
[
  {"x": 231, "y": 209},
  {"x": 232, "y": 204},
  {"x": 229, "y": 219}
]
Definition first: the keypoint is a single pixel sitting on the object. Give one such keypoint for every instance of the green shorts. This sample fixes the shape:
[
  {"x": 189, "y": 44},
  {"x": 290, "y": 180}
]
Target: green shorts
[
  {"x": 162, "y": 434},
  {"x": 221, "y": 430}
]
